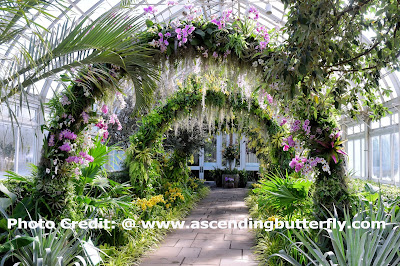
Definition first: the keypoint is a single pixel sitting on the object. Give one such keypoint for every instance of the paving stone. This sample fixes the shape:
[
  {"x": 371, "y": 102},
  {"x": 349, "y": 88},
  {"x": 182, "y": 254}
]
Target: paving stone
[
  {"x": 184, "y": 243},
  {"x": 241, "y": 244},
  {"x": 162, "y": 261},
  {"x": 241, "y": 237},
  {"x": 170, "y": 242},
  {"x": 177, "y": 235},
  {"x": 189, "y": 252},
  {"x": 202, "y": 261},
  {"x": 220, "y": 253},
  {"x": 213, "y": 231},
  {"x": 210, "y": 244},
  {"x": 166, "y": 252},
  {"x": 241, "y": 262},
  {"x": 201, "y": 236}
]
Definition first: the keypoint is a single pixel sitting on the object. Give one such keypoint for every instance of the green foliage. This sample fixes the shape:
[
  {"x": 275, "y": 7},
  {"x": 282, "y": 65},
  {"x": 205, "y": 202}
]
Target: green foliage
[
  {"x": 216, "y": 174},
  {"x": 372, "y": 246},
  {"x": 94, "y": 193},
  {"x": 55, "y": 247},
  {"x": 388, "y": 193},
  {"x": 140, "y": 240},
  {"x": 285, "y": 195},
  {"x": 243, "y": 178},
  {"x": 231, "y": 152}
]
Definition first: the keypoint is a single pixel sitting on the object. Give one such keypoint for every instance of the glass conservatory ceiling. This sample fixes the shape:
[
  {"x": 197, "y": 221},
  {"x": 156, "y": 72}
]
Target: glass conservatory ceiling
[{"x": 78, "y": 9}]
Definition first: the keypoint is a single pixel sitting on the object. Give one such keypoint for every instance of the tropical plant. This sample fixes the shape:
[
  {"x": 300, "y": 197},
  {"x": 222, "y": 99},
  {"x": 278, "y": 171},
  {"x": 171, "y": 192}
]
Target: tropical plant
[
  {"x": 230, "y": 154},
  {"x": 94, "y": 192},
  {"x": 55, "y": 247},
  {"x": 9, "y": 239},
  {"x": 284, "y": 194},
  {"x": 108, "y": 39},
  {"x": 36, "y": 246},
  {"x": 375, "y": 245}
]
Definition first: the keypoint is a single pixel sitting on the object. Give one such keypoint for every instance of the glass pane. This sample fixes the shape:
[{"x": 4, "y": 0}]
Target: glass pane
[
  {"x": 375, "y": 124},
  {"x": 386, "y": 157},
  {"x": 362, "y": 127},
  {"x": 385, "y": 121},
  {"x": 210, "y": 150},
  {"x": 396, "y": 156},
  {"x": 357, "y": 129},
  {"x": 5, "y": 111},
  {"x": 115, "y": 161},
  {"x": 350, "y": 130},
  {"x": 350, "y": 152},
  {"x": 7, "y": 149},
  {"x": 251, "y": 156},
  {"x": 375, "y": 157},
  {"x": 29, "y": 113},
  {"x": 363, "y": 157},
  {"x": 395, "y": 118},
  {"x": 357, "y": 157},
  {"x": 26, "y": 150}
]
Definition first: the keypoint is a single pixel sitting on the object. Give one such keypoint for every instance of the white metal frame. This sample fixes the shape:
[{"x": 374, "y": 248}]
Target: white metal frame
[{"x": 207, "y": 166}]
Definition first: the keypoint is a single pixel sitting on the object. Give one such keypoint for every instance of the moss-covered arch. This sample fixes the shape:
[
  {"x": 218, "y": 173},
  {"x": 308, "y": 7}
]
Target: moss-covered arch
[{"x": 190, "y": 98}]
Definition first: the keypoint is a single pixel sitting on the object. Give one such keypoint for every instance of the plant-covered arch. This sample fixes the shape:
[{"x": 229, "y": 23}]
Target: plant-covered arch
[
  {"x": 196, "y": 96},
  {"x": 308, "y": 75}
]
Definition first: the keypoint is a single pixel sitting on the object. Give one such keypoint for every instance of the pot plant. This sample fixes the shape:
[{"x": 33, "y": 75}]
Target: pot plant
[
  {"x": 230, "y": 154},
  {"x": 229, "y": 182}
]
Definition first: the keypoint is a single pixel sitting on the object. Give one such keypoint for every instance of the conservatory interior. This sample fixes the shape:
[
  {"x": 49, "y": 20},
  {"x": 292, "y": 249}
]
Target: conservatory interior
[{"x": 199, "y": 132}]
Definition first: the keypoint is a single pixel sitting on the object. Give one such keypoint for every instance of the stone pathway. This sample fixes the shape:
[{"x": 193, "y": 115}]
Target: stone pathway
[{"x": 209, "y": 246}]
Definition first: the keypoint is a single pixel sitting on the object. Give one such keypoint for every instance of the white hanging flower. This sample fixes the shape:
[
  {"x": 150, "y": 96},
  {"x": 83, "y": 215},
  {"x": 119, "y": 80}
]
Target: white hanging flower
[
  {"x": 326, "y": 168},
  {"x": 260, "y": 61},
  {"x": 48, "y": 171},
  {"x": 255, "y": 64}
]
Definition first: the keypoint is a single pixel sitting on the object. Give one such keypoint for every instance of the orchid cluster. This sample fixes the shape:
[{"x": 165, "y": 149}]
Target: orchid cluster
[
  {"x": 324, "y": 142},
  {"x": 150, "y": 10},
  {"x": 307, "y": 165},
  {"x": 229, "y": 179},
  {"x": 178, "y": 33},
  {"x": 221, "y": 21},
  {"x": 264, "y": 97},
  {"x": 264, "y": 36},
  {"x": 65, "y": 100},
  {"x": 162, "y": 43},
  {"x": 253, "y": 13},
  {"x": 103, "y": 125},
  {"x": 183, "y": 34},
  {"x": 75, "y": 146}
]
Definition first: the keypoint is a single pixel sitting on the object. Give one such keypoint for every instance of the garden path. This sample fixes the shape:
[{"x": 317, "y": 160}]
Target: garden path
[{"x": 209, "y": 246}]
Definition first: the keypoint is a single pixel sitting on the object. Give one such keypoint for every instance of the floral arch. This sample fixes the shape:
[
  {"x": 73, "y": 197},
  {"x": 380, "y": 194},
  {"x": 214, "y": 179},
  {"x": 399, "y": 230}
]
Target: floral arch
[
  {"x": 223, "y": 110},
  {"x": 239, "y": 52}
]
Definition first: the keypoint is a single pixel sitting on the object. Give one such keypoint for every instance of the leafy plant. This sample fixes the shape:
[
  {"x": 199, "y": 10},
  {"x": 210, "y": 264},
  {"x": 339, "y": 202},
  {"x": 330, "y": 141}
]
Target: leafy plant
[
  {"x": 356, "y": 247},
  {"x": 56, "y": 247},
  {"x": 9, "y": 240},
  {"x": 231, "y": 152},
  {"x": 284, "y": 194},
  {"x": 94, "y": 192}
]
